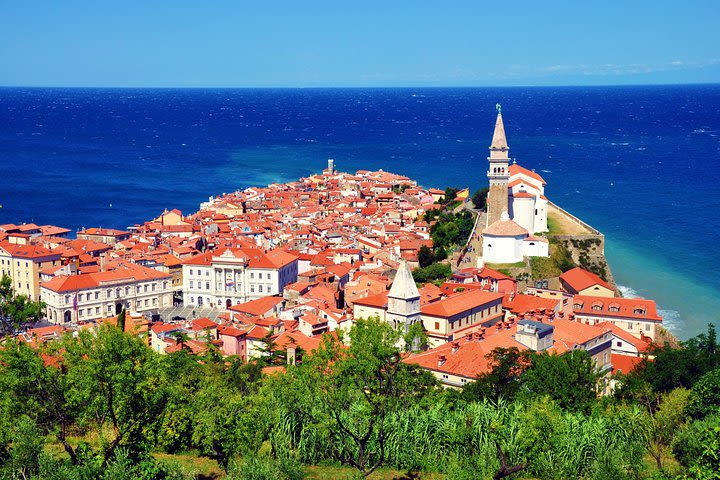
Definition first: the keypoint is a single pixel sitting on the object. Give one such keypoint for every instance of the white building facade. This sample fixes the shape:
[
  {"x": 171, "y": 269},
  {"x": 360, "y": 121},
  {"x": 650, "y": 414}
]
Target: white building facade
[
  {"x": 223, "y": 279},
  {"x": 92, "y": 296}
]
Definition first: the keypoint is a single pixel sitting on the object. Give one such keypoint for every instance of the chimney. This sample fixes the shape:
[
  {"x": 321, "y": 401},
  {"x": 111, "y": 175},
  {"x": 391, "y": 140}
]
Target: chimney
[
  {"x": 441, "y": 360},
  {"x": 455, "y": 346}
]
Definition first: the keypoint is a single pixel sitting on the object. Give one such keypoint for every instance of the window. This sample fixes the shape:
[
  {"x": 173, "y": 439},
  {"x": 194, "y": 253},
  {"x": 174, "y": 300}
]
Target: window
[
  {"x": 618, "y": 344},
  {"x": 97, "y": 295},
  {"x": 207, "y": 273},
  {"x": 207, "y": 285},
  {"x": 260, "y": 288},
  {"x": 81, "y": 312},
  {"x": 190, "y": 271},
  {"x": 639, "y": 311},
  {"x": 647, "y": 327},
  {"x": 145, "y": 288},
  {"x": 97, "y": 310},
  {"x": 252, "y": 275},
  {"x": 630, "y": 325},
  {"x": 191, "y": 284},
  {"x": 80, "y": 297},
  {"x": 437, "y": 325},
  {"x": 109, "y": 308}
]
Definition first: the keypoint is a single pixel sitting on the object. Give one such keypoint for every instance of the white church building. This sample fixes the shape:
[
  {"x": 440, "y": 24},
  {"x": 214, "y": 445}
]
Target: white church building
[{"x": 516, "y": 207}]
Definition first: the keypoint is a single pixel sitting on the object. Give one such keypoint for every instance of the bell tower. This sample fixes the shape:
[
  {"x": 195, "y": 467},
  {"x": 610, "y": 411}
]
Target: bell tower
[
  {"x": 498, "y": 172},
  {"x": 403, "y": 299}
]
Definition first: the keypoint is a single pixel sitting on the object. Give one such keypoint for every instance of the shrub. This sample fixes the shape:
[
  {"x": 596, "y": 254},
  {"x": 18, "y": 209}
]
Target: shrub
[{"x": 705, "y": 395}]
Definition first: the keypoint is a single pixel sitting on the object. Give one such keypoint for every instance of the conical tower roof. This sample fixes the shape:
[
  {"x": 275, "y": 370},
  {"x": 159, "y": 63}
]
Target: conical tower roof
[
  {"x": 499, "y": 142},
  {"x": 404, "y": 285}
]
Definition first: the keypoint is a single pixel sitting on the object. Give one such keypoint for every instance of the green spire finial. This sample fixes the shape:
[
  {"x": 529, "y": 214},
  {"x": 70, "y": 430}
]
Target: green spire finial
[{"x": 498, "y": 108}]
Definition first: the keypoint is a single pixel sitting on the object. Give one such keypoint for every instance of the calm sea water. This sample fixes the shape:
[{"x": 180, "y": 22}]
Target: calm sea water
[{"x": 639, "y": 163}]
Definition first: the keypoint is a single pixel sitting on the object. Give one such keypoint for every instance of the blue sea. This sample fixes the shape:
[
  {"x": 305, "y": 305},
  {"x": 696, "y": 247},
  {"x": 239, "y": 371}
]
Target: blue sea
[{"x": 641, "y": 164}]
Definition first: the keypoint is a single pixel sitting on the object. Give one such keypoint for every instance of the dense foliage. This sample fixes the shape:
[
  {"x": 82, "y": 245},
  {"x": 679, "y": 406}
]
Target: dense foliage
[
  {"x": 479, "y": 198},
  {"x": 16, "y": 311},
  {"x": 103, "y": 405}
]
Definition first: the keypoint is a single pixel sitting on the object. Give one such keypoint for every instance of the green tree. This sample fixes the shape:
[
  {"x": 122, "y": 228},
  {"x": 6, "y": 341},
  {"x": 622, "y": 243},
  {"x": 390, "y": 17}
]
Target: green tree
[
  {"x": 705, "y": 395},
  {"x": 235, "y": 428},
  {"x": 415, "y": 338},
  {"x": 664, "y": 419},
  {"x": 425, "y": 256},
  {"x": 570, "y": 379},
  {"x": 33, "y": 384},
  {"x": 121, "y": 320},
  {"x": 117, "y": 385},
  {"x": 360, "y": 386},
  {"x": 674, "y": 367},
  {"x": 26, "y": 448},
  {"x": 181, "y": 338},
  {"x": 504, "y": 379},
  {"x": 270, "y": 353},
  {"x": 690, "y": 441},
  {"x": 16, "y": 311},
  {"x": 450, "y": 195},
  {"x": 436, "y": 271},
  {"x": 479, "y": 198}
]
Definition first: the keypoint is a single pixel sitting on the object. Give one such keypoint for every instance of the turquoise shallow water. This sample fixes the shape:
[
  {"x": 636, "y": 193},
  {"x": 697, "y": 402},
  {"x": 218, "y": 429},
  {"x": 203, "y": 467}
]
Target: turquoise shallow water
[{"x": 641, "y": 164}]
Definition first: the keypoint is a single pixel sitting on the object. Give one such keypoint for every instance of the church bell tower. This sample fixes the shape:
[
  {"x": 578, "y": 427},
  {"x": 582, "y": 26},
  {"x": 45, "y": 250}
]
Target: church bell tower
[
  {"x": 498, "y": 172},
  {"x": 403, "y": 299}
]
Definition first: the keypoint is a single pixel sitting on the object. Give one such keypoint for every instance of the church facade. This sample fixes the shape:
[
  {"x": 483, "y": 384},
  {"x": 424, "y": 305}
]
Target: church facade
[{"x": 516, "y": 206}]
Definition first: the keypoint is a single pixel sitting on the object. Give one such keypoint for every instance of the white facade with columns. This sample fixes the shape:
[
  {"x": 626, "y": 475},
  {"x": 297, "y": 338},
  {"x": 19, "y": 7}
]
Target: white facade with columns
[{"x": 236, "y": 276}]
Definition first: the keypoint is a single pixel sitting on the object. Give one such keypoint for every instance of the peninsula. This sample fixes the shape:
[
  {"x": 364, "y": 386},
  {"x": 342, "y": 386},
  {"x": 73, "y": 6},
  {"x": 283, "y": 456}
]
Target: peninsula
[
  {"x": 283, "y": 328},
  {"x": 298, "y": 260}
]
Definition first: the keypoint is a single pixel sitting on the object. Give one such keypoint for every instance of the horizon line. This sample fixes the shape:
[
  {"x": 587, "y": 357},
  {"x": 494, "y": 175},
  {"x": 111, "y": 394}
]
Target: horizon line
[{"x": 357, "y": 87}]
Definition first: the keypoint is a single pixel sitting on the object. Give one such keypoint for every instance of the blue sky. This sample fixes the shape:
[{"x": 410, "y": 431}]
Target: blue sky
[{"x": 306, "y": 43}]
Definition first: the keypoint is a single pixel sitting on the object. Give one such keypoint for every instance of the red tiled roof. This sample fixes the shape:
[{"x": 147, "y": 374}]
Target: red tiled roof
[
  {"x": 579, "y": 279},
  {"x": 516, "y": 169},
  {"x": 626, "y": 307},
  {"x": 459, "y": 303},
  {"x": 624, "y": 363}
]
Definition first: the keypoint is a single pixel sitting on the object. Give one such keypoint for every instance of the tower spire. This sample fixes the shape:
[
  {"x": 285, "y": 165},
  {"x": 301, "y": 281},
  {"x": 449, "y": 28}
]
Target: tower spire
[
  {"x": 403, "y": 299},
  {"x": 498, "y": 172},
  {"x": 499, "y": 142}
]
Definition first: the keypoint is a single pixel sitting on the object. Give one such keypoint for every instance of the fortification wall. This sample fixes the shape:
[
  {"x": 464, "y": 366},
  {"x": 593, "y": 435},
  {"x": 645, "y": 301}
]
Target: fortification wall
[{"x": 586, "y": 249}]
